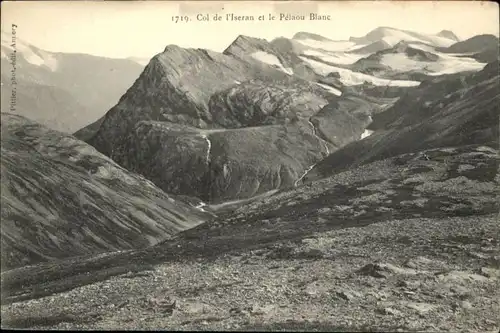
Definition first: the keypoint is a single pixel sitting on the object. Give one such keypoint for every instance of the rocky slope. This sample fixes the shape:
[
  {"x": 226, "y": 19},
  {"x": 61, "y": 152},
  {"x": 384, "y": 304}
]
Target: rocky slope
[
  {"x": 61, "y": 198},
  {"x": 74, "y": 89},
  {"x": 406, "y": 243}
]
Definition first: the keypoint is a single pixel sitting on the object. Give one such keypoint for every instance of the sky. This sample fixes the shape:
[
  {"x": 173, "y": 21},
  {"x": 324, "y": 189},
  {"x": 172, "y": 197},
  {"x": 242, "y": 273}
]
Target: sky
[{"x": 143, "y": 28}]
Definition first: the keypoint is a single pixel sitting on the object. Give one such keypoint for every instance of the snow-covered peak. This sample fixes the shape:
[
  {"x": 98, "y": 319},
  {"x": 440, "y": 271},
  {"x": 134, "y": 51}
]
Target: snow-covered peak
[
  {"x": 332, "y": 46},
  {"x": 393, "y": 36},
  {"x": 30, "y": 53}
]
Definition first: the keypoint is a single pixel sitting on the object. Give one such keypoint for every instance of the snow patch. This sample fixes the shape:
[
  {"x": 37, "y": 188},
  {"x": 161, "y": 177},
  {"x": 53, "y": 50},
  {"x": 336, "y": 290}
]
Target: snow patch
[
  {"x": 366, "y": 134},
  {"x": 303, "y": 175},
  {"x": 209, "y": 148},
  {"x": 446, "y": 64},
  {"x": 287, "y": 70},
  {"x": 272, "y": 60},
  {"x": 394, "y": 36},
  {"x": 200, "y": 207},
  {"x": 330, "y": 89},
  {"x": 450, "y": 64},
  {"x": 423, "y": 47},
  {"x": 341, "y": 58},
  {"x": 334, "y": 46},
  {"x": 31, "y": 54},
  {"x": 350, "y": 78}
]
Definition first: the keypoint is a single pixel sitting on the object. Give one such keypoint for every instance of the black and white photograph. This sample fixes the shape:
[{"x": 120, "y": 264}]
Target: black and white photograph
[{"x": 250, "y": 166}]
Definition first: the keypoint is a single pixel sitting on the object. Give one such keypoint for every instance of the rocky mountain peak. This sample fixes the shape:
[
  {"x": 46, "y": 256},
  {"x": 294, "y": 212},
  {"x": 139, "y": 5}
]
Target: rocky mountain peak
[
  {"x": 244, "y": 43},
  {"x": 172, "y": 48}
]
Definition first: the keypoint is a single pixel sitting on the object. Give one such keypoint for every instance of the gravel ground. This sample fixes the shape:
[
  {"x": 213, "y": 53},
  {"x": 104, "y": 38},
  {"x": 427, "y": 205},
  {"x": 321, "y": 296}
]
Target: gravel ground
[
  {"x": 405, "y": 244},
  {"x": 405, "y": 275}
]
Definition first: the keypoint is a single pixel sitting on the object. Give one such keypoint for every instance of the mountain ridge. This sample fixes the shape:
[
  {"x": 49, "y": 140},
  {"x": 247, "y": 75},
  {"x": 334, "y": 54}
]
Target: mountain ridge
[{"x": 78, "y": 201}]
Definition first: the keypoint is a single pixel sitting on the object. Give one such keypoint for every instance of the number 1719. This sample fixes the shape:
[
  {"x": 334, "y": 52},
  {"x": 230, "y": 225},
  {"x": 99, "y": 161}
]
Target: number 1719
[{"x": 178, "y": 18}]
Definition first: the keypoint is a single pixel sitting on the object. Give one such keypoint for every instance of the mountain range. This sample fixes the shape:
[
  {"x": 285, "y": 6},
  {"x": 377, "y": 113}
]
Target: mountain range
[
  {"x": 64, "y": 91},
  {"x": 295, "y": 183},
  {"x": 259, "y": 115}
]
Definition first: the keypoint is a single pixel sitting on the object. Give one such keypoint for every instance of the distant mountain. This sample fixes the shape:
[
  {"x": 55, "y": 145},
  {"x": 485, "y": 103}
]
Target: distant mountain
[
  {"x": 393, "y": 36},
  {"x": 474, "y": 44},
  {"x": 308, "y": 35},
  {"x": 484, "y": 48},
  {"x": 448, "y": 35},
  {"x": 450, "y": 111},
  {"x": 62, "y": 198},
  {"x": 385, "y": 56},
  {"x": 379, "y": 45},
  {"x": 74, "y": 89},
  {"x": 60, "y": 108},
  {"x": 414, "y": 61},
  {"x": 139, "y": 60}
]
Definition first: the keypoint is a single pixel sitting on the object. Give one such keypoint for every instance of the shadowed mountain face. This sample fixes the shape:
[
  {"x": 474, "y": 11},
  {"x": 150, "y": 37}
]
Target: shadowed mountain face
[
  {"x": 474, "y": 44},
  {"x": 61, "y": 198},
  {"x": 483, "y": 48},
  {"x": 72, "y": 90}
]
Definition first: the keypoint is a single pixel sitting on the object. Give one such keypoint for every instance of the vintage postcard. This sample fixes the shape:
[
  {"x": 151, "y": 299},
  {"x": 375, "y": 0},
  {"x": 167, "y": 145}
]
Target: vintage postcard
[{"x": 250, "y": 165}]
